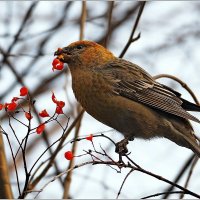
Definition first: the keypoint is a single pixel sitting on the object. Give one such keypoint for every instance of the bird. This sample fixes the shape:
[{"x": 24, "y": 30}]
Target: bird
[{"x": 122, "y": 95}]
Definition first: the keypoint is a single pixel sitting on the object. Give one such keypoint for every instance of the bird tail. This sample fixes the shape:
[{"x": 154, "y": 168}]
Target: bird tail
[
  {"x": 189, "y": 106},
  {"x": 193, "y": 145}
]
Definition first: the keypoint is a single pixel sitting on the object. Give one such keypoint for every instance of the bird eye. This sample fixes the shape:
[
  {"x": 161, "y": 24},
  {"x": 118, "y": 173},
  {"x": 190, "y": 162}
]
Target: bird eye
[
  {"x": 66, "y": 49},
  {"x": 79, "y": 47}
]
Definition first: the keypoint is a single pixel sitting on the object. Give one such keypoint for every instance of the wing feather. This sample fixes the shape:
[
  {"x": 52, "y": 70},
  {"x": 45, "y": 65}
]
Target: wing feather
[{"x": 136, "y": 84}]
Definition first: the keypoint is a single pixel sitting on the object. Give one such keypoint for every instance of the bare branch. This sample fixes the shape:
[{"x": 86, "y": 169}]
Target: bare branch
[
  {"x": 184, "y": 85},
  {"x": 124, "y": 182},
  {"x": 131, "y": 39}
]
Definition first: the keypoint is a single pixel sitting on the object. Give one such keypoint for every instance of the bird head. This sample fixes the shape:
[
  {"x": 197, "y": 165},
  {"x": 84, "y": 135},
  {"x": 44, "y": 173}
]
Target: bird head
[{"x": 84, "y": 53}]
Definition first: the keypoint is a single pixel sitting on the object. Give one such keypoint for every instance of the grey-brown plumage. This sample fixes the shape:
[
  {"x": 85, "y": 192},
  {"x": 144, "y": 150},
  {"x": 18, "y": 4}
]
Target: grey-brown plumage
[
  {"x": 140, "y": 86},
  {"x": 123, "y": 96}
]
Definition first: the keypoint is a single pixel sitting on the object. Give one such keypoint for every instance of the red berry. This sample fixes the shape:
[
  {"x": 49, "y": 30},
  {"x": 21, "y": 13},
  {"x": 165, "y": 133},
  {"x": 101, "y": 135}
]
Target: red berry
[
  {"x": 90, "y": 137},
  {"x": 28, "y": 116},
  {"x": 40, "y": 128},
  {"x": 11, "y": 106},
  {"x": 1, "y": 106},
  {"x": 59, "y": 110},
  {"x": 54, "y": 98},
  {"x": 61, "y": 104},
  {"x": 23, "y": 91},
  {"x": 44, "y": 113},
  {"x": 57, "y": 64},
  {"x": 69, "y": 155}
]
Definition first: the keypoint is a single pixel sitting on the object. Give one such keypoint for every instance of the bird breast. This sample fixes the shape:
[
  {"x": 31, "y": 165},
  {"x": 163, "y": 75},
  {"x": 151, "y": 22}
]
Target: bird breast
[{"x": 91, "y": 89}]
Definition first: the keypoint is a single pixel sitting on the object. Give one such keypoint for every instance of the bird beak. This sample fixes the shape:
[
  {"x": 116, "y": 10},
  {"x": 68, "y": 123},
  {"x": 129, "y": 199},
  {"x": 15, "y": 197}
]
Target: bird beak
[
  {"x": 58, "y": 52},
  {"x": 62, "y": 55}
]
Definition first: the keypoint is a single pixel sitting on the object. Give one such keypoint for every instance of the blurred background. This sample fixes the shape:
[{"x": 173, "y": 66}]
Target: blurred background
[{"x": 30, "y": 32}]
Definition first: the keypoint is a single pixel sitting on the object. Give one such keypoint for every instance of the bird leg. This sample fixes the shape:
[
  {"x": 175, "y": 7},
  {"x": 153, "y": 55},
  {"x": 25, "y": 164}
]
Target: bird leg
[{"x": 121, "y": 147}]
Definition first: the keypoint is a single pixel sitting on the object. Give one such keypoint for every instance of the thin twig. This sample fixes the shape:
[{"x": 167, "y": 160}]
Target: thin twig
[
  {"x": 45, "y": 170},
  {"x": 13, "y": 158},
  {"x": 169, "y": 182},
  {"x": 178, "y": 177},
  {"x": 183, "y": 84},
  {"x": 189, "y": 175},
  {"x": 110, "y": 11},
  {"x": 61, "y": 174},
  {"x": 38, "y": 168},
  {"x": 161, "y": 193},
  {"x": 96, "y": 162},
  {"x": 83, "y": 20},
  {"x": 124, "y": 182},
  {"x": 131, "y": 39},
  {"x": 40, "y": 50},
  {"x": 109, "y": 162},
  {"x": 23, "y": 24},
  {"x": 68, "y": 178},
  {"x": 48, "y": 148},
  {"x": 116, "y": 24}
]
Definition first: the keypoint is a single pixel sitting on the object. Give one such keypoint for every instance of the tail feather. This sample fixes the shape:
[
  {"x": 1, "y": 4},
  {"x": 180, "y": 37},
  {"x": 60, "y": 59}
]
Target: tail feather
[
  {"x": 193, "y": 145},
  {"x": 189, "y": 106}
]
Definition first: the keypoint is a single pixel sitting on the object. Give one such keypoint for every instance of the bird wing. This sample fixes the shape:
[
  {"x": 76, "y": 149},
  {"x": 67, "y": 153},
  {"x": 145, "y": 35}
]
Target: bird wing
[{"x": 134, "y": 83}]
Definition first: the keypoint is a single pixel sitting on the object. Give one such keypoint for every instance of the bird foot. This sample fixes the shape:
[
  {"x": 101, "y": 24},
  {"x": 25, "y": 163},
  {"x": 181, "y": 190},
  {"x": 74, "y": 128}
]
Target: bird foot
[{"x": 121, "y": 147}]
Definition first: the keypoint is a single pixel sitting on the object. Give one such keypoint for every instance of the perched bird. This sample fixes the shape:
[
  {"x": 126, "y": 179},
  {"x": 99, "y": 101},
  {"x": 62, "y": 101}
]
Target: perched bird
[{"x": 125, "y": 97}]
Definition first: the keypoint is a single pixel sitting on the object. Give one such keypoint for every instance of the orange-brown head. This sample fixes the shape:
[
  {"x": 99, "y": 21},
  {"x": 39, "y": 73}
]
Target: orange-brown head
[{"x": 84, "y": 53}]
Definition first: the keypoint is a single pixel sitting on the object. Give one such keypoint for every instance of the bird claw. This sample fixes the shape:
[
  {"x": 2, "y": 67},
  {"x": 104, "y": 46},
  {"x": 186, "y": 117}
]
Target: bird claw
[{"x": 121, "y": 148}]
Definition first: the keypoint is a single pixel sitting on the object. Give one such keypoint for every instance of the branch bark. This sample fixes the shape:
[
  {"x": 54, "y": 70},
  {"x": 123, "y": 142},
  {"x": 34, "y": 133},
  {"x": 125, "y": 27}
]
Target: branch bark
[{"x": 5, "y": 186}]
